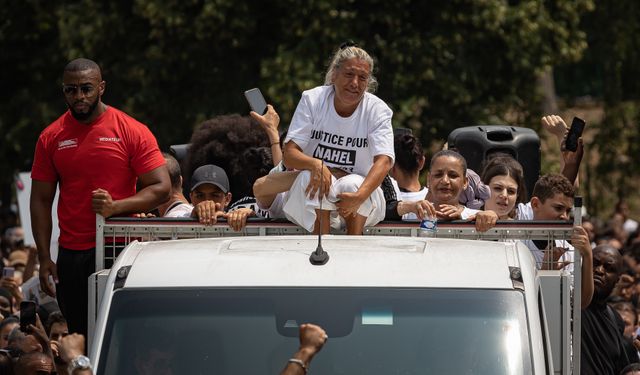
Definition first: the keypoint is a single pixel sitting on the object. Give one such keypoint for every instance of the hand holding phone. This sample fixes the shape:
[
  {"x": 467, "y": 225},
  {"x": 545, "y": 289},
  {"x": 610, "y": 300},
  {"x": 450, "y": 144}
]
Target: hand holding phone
[
  {"x": 256, "y": 101},
  {"x": 575, "y": 132},
  {"x": 27, "y": 315}
]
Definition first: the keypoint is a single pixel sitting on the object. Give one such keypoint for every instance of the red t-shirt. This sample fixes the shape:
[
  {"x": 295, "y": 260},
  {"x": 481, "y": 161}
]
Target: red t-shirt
[{"x": 109, "y": 153}]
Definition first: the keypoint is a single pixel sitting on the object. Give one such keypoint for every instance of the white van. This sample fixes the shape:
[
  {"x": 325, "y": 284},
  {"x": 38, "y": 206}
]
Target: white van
[{"x": 390, "y": 305}]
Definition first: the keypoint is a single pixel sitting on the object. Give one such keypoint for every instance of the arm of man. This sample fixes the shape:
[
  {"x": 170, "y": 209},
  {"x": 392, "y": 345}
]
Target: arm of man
[
  {"x": 295, "y": 158},
  {"x": 156, "y": 189},
  {"x": 41, "y": 202},
  {"x": 581, "y": 243},
  {"x": 572, "y": 161},
  {"x": 350, "y": 202},
  {"x": 312, "y": 339}
]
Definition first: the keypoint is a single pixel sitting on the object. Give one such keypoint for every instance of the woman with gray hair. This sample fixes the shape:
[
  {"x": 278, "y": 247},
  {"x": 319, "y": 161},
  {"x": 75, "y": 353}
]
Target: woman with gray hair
[{"x": 341, "y": 139}]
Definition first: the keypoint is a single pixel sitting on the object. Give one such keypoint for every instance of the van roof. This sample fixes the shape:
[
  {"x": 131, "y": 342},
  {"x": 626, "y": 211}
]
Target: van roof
[{"x": 355, "y": 261}]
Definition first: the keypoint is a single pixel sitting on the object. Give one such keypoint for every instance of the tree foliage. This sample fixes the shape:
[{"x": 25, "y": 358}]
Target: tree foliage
[
  {"x": 174, "y": 63},
  {"x": 608, "y": 72}
]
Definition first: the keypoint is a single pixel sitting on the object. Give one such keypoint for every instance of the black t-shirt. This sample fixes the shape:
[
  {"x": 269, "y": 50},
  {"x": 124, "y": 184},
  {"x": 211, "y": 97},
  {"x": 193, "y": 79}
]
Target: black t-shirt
[{"x": 603, "y": 349}]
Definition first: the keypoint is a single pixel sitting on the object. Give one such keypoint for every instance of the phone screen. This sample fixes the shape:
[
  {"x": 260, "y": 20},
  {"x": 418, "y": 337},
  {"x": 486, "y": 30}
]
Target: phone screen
[
  {"x": 27, "y": 314},
  {"x": 575, "y": 132},
  {"x": 8, "y": 272},
  {"x": 256, "y": 101}
]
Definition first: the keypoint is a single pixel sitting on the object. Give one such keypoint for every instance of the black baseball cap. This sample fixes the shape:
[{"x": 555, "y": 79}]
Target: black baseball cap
[{"x": 210, "y": 174}]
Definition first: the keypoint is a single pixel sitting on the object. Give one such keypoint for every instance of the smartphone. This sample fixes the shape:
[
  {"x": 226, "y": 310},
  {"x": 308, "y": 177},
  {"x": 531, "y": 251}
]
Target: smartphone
[
  {"x": 575, "y": 132},
  {"x": 256, "y": 101},
  {"x": 8, "y": 272},
  {"x": 27, "y": 314}
]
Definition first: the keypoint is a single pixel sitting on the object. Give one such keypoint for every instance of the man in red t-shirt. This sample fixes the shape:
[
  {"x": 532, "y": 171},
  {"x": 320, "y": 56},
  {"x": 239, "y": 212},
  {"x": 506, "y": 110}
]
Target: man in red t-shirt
[{"x": 96, "y": 154}]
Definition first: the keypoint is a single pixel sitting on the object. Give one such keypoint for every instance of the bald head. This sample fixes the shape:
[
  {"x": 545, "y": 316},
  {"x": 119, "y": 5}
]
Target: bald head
[
  {"x": 610, "y": 251},
  {"x": 81, "y": 65},
  {"x": 607, "y": 266}
]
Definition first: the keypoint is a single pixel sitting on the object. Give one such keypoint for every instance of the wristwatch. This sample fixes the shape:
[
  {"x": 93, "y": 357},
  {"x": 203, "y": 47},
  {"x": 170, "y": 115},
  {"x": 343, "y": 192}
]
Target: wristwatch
[{"x": 80, "y": 362}]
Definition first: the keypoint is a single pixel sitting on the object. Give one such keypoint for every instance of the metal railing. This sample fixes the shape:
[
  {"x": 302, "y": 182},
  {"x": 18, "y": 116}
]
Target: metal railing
[{"x": 114, "y": 234}]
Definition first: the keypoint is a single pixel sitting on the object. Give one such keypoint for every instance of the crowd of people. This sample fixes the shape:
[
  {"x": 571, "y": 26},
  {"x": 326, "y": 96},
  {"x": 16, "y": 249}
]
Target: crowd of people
[{"x": 340, "y": 164}]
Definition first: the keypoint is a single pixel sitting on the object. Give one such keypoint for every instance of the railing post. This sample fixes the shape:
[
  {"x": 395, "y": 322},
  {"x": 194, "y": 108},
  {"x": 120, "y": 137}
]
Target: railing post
[
  {"x": 577, "y": 291},
  {"x": 100, "y": 222}
]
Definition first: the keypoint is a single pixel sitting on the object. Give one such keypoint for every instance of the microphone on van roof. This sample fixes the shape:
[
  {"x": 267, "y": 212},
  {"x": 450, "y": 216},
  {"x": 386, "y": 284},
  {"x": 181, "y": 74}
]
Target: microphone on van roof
[{"x": 319, "y": 257}]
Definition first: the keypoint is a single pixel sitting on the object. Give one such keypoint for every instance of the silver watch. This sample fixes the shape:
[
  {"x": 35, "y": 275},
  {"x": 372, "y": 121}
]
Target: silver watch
[{"x": 80, "y": 362}]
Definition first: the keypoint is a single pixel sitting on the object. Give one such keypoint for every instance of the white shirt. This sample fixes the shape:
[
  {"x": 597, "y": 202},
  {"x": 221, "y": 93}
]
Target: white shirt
[
  {"x": 630, "y": 226},
  {"x": 181, "y": 210},
  {"x": 349, "y": 143},
  {"x": 412, "y": 196},
  {"x": 276, "y": 210},
  {"x": 525, "y": 212}
]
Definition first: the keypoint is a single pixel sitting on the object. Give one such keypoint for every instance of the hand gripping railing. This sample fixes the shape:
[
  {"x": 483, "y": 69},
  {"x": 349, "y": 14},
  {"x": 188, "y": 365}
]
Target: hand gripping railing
[{"x": 114, "y": 234}]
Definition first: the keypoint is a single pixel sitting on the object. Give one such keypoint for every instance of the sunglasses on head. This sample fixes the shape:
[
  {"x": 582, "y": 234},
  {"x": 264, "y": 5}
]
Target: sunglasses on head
[
  {"x": 72, "y": 89},
  {"x": 348, "y": 43}
]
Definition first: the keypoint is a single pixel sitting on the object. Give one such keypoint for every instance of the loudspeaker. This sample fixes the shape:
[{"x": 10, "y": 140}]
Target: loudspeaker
[
  {"x": 179, "y": 151},
  {"x": 475, "y": 143}
]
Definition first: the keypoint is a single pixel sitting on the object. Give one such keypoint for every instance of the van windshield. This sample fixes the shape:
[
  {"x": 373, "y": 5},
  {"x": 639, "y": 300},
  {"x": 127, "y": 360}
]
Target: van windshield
[{"x": 371, "y": 331}]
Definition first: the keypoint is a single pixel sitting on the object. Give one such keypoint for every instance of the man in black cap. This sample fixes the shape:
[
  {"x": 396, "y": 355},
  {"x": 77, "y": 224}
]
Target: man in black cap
[{"x": 210, "y": 197}]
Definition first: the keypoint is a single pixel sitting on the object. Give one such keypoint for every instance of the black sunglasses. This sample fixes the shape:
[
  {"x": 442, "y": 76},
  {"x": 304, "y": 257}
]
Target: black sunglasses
[{"x": 72, "y": 89}]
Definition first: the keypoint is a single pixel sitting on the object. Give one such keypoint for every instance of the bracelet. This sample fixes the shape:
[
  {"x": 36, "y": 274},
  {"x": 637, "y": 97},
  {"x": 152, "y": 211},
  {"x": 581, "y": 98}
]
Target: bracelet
[
  {"x": 275, "y": 143},
  {"x": 299, "y": 362}
]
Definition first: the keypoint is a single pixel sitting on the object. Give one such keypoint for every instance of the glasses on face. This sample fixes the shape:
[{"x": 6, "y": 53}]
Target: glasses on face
[{"x": 86, "y": 90}]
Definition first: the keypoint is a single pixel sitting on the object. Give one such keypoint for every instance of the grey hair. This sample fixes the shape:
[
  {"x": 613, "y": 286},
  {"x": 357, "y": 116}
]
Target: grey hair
[{"x": 347, "y": 53}]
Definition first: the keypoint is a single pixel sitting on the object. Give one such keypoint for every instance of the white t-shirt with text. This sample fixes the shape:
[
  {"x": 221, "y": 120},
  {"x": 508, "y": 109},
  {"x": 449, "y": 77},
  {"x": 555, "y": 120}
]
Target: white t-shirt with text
[{"x": 349, "y": 143}]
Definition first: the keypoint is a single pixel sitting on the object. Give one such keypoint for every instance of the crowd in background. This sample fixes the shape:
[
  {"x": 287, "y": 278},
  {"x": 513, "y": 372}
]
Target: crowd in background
[
  {"x": 238, "y": 167},
  {"x": 240, "y": 147}
]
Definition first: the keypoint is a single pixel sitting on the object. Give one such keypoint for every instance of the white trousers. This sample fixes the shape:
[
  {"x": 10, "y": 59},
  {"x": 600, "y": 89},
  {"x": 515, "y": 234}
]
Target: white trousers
[{"x": 301, "y": 209}]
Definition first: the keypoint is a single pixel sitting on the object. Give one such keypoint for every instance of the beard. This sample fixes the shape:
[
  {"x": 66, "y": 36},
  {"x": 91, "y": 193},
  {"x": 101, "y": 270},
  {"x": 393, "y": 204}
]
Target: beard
[
  {"x": 82, "y": 116},
  {"x": 602, "y": 292}
]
